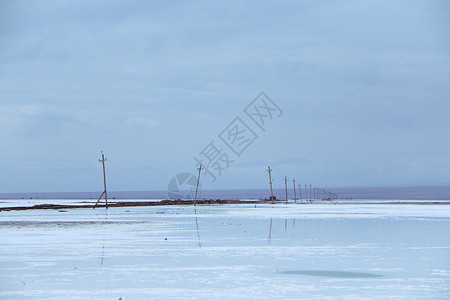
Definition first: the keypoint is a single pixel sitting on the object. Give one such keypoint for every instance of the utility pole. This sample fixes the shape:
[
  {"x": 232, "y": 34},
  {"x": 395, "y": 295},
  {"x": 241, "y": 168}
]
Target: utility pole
[
  {"x": 104, "y": 183},
  {"x": 270, "y": 182},
  {"x": 198, "y": 181},
  {"x": 285, "y": 184},
  {"x": 300, "y": 191},
  {"x": 295, "y": 194},
  {"x": 306, "y": 193},
  {"x": 310, "y": 193}
]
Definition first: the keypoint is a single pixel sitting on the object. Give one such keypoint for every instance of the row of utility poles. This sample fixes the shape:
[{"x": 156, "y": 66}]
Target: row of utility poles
[{"x": 315, "y": 193}]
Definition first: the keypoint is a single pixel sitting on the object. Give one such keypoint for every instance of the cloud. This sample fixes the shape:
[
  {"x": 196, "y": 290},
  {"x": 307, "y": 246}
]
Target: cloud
[{"x": 292, "y": 161}]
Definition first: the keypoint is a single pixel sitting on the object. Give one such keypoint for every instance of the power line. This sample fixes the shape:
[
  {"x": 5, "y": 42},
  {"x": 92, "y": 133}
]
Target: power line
[{"x": 127, "y": 179}]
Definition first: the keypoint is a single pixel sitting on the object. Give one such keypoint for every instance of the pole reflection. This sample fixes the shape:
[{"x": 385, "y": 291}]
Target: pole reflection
[
  {"x": 270, "y": 230},
  {"x": 104, "y": 238},
  {"x": 198, "y": 232}
]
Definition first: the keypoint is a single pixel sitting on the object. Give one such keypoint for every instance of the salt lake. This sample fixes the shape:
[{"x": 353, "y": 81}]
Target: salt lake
[{"x": 264, "y": 251}]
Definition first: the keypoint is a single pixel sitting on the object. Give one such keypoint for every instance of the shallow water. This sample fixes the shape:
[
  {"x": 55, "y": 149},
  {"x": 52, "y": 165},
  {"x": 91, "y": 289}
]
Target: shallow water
[{"x": 232, "y": 251}]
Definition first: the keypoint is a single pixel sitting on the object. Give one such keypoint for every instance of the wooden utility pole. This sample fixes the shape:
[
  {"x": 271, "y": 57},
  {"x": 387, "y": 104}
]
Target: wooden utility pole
[
  {"x": 198, "y": 181},
  {"x": 104, "y": 182},
  {"x": 270, "y": 182},
  {"x": 310, "y": 193},
  {"x": 285, "y": 184},
  {"x": 295, "y": 194},
  {"x": 300, "y": 191},
  {"x": 306, "y": 193}
]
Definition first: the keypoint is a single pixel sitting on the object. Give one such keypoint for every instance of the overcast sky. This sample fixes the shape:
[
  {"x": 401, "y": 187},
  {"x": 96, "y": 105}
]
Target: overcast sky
[{"x": 359, "y": 90}]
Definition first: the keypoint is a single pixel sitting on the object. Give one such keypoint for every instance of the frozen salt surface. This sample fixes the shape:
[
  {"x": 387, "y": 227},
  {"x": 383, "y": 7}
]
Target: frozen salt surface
[{"x": 322, "y": 251}]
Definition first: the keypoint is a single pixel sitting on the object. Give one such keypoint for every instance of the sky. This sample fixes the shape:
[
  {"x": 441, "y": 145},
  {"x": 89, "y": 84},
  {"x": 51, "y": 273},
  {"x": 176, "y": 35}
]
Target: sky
[{"x": 355, "y": 93}]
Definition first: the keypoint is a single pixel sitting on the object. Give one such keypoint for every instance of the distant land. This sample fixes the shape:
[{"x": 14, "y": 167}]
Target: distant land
[
  {"x": 400, "y": 192},
  {"x": 382, "y": 193}
]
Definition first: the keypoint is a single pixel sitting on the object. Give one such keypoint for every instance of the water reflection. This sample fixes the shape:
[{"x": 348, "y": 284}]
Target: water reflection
[
  {"x": 104, "y": 238},
  {"x": 196, "y": 224},
  {"x": 270, "y": 231},
  {"x": 286, "y": 223}
]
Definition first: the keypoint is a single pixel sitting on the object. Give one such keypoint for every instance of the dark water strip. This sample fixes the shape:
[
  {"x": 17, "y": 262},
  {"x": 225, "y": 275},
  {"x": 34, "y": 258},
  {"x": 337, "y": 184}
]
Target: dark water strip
[{"x": 335, "y": 274}]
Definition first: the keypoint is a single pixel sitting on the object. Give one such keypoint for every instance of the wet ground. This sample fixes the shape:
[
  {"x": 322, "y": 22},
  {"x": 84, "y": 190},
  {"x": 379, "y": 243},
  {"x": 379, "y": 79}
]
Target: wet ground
[{"x": 240, "y": 251}]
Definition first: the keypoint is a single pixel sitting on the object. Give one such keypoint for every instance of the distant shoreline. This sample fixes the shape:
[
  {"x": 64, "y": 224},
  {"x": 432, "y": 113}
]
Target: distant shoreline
[
  {"x": 134, "y": 204},
  {"x": 207, "y": 202}
]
